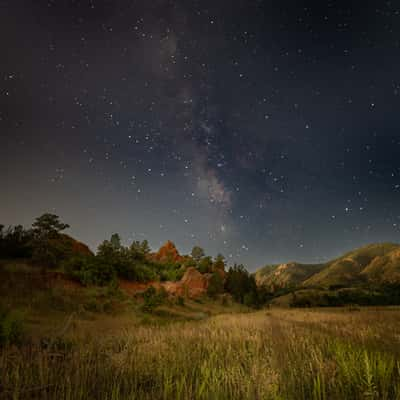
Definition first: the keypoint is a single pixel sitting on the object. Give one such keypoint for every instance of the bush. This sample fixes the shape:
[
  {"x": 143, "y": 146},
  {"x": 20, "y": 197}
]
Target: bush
[
  {"x": 129, "y": 263},
  {"x": 251, "y": 299},
  {"x": 153, "y": 298},
  {"x": 300, "y": 301},
  {"x": 98, "y": 273},
  {"x": 15, "y": 242},
  {"x": 180, "y": 301},
  {"x": 90, "y": 271},
  {"x": 171, "y": 274},
  {"x": 205, "y": 265},
  {"x": 74, "y": 265},
  {"x": 11, "y": 327},
  {"x": 137, "y": 272}
]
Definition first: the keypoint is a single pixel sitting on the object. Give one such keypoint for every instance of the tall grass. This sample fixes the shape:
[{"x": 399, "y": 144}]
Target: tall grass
[{"x": 248, "y": 356}]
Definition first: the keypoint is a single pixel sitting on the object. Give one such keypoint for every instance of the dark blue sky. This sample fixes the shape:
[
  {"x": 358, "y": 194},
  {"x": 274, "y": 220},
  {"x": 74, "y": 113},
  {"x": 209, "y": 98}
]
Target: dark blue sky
[{"x": 267, "y": 131}]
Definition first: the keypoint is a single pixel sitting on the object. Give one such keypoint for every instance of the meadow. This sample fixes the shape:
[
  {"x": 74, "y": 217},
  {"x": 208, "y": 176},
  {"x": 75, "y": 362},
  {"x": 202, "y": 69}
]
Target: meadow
[{"x": 343, "y": 353}]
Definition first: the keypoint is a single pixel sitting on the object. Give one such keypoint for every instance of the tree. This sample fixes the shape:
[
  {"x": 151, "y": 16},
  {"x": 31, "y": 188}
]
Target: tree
[
  {"x": 107, "y": 251},
  {"x": 90, "y": 270},
  {"x": 111, "y": 252},
  {"x": 48, "y": 248},
  {"x": 219, "y": 263},
  {"x": 48, "y": 225},
  {"x": 115, "y": 241},
  {"x": 129, "y": 263},
  {"x": 215, "y": 285},
  {"x": 197, "y": 253},
  {"x": 144, "y": 247},
  {"x": 241, "y": 285},
  {"x": 139, "y": 249},
  {"x": 205, "y": 265}
]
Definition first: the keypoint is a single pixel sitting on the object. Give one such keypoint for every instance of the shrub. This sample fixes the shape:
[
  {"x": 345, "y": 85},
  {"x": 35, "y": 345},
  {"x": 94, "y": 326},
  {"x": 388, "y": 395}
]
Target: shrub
[
  {"x": 205, "y": 265},
  {"x": 74, "y": 266},
  {"x": 137, "y": 272},
  {"x": 90, "y": 271},
  {"x": 15, "y": 242},
  {"x": 250, "y": 299},
  {"x": 180, "y": 301},
  {"x": 153, "y": 298},
  {"x": 11, "y": 327},
  {"x": 98, "y": 273},
  {"x": 171, "y": 274},
  {"x": 129, "y": 263}
]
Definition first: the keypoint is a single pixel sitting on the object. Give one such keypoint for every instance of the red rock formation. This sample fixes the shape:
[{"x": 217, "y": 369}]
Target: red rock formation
[
  {"x": 174, "y": 288},
  {"x": 168, "y": 253},
  {"x": 137, "y": 287},
  {"x": 74, "y": 245},
  {"x": 193, "y": 285}
]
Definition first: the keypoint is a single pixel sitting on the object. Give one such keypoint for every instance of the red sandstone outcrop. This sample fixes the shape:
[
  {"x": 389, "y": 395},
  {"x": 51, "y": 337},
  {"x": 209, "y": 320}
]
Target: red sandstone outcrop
[
  {"x": 168, "y": 253},
  {"x": 137, "y": 287},
  {"x": 193, "y": 284}
]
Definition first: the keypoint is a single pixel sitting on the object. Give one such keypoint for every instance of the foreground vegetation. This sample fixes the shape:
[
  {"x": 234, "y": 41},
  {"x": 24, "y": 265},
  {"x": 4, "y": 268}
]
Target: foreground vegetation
[{"x": 274, "y": 354}]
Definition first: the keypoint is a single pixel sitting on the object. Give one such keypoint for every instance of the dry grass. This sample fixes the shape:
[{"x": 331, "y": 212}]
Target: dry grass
[{"x": 274, "y": 354}]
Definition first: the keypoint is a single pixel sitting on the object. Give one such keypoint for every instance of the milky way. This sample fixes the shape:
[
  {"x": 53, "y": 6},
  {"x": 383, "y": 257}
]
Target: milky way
[{"x": 265, "y": 131}]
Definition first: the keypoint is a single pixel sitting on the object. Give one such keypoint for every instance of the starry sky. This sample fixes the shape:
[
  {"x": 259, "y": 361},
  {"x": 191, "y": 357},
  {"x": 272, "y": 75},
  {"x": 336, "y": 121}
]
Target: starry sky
[{"x": 267, "y": 131}]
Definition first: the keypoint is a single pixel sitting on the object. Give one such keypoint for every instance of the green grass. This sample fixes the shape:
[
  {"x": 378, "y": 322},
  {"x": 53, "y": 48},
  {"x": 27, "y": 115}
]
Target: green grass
[
  {"x": 97, "y": 343},
  {"x": 278, "y": 354}
]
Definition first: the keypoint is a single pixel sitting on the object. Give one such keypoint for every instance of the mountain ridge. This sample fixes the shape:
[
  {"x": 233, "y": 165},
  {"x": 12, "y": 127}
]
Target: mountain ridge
[{"x": 375, "y": 264}]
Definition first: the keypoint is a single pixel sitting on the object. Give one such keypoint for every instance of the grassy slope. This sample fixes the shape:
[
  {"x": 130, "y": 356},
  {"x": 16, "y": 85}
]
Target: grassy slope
[
  {"x": 349, "y": 268},
  {"x": 52, "y": 304}
]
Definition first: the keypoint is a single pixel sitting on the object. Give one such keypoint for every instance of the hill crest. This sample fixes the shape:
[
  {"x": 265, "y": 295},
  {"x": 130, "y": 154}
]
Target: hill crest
[{"x": 377, "y": 264}]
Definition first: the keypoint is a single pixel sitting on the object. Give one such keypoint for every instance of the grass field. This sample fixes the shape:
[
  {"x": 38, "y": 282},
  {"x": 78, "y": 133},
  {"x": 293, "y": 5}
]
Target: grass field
[{"x": 270, "y": 354}]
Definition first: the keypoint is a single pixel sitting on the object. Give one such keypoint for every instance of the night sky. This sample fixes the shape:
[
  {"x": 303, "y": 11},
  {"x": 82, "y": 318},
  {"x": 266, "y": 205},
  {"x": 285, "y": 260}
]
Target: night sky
[{"x": 267, "y": 131}]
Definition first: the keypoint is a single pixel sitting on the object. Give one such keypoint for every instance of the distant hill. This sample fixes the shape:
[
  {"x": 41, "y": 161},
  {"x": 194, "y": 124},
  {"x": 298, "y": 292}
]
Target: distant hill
[
  {"x": 375, "y": 264},
  {"x": 281, "y": 276}
]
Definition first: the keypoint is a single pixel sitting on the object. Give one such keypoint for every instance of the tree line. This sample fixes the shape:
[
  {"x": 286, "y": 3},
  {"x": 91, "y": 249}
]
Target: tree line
[{"x": 46, "y": 246}]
